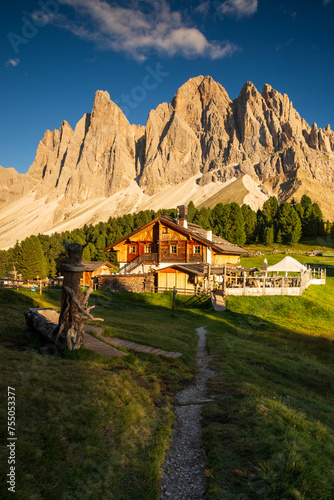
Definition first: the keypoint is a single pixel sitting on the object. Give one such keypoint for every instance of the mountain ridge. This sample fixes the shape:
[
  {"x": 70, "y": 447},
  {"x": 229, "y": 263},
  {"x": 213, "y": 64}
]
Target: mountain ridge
[{"x": 201, "y": 134}]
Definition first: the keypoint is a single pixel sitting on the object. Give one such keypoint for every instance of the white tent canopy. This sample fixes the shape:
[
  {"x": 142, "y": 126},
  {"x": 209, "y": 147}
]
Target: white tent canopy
[{"x": 287, "y": 265}]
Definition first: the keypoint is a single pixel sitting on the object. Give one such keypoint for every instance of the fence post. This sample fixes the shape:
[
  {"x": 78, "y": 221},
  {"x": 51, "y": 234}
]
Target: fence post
[
  {"x": 174, "y": 293},
  {"x": 224, "y": 282}
]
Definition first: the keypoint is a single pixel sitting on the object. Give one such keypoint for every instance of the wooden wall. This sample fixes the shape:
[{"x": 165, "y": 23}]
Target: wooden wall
[
  {"x": 220, "y": 260},
  {"x": 185, "y": 252},
  {"x": 173, "y": 278},
  {"x": 145, "y": 235},
  {"x": 166, "y": 256},
  {"x": 171, "y": 235}
]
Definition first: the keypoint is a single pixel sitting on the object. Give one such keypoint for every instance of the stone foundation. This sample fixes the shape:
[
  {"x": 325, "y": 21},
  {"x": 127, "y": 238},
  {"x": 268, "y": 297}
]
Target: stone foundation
[{"x": 138, "y": 283}]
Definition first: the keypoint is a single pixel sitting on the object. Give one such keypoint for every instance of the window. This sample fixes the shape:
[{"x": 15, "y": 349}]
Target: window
[
  {"x": 132, "y": 249},
  {"x": 173, "y": 249},
  {"x": 148, "y": 249},
  {"x": 197, "y": 249},
  {"x": 165, "y": 230}
]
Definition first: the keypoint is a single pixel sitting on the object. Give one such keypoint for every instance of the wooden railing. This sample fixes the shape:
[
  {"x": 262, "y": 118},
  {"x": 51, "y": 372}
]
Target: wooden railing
[
  {"x": 262, "y": 281},
  {"x": 183, "y": 291},
  {"x": 141, "y": 259}
]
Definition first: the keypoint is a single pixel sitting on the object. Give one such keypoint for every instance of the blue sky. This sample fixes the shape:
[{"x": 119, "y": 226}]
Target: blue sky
[{"x": 55, "y": 54}]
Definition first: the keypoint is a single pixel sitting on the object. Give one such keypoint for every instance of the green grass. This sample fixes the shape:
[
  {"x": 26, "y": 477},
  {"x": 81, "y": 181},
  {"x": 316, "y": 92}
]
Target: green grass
[
  {"x": 270, "y": 434},
  {"x": 90, "y": 426},
  {"x": 95, "y": 427},
  {"x": 322, "y": 244},
  {"x": 132, "y": 320}
]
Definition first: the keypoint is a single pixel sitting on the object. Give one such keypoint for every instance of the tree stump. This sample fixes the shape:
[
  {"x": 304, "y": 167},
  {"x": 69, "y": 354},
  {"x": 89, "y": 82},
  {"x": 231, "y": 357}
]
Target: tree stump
[{"x": 74, "y": 303}]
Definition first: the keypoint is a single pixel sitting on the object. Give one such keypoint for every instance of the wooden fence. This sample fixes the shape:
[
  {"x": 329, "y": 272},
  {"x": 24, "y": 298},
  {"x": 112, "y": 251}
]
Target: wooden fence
[
  {"x": 31, "y": 285},
  {"x": 196, "y": 290}
]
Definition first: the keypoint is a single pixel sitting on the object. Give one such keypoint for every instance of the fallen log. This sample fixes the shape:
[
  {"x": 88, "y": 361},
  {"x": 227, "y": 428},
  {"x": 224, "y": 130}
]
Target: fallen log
[{"x": 45, "y": 322}]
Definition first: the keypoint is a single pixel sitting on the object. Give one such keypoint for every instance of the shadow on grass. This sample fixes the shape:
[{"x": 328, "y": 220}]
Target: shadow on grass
[
  {"x": 91, "y": 426},
  {"x": 12, "y": 321},
  {"x": 147, "y": 319},
  {"x": 265, "y": 338},
  {"x": 269, "y": 434}
]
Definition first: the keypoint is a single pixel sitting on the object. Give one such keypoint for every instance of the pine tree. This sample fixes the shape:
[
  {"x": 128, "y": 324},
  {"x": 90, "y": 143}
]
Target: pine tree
[
  {"x": 237, "y": 225},
  {"x": 300, "y": 210},
  {"x": 191, "y": 211},
  {"x": 270, "y": 209},
  {"x": 312, "y": 219},
  {"x": 268, "y": 221},
  {"x": 260, "y": 226},
  {"x": 268, "y": 235},
  {"x": 289, "y": 224},
  {"x": 3, "y": 263},
  {"x": 31, "y": 261},
  {"x": 203, "y": 218},
  {"x": 328, "y": 226},
  {"x": 317, "y": 214},
  {"x": 219, "y": 217},
  {"x": 86, "y": 254},
  {"x": 332, "y": 232},
  {"x": 100, "y": 243},
  {"x": 52, "y": 268},
  {"x": 250, "y": 223}
]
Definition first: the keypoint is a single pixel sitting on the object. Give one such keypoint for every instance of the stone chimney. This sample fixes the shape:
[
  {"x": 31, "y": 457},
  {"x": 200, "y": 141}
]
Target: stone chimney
[{"x": 183, "y": 212}]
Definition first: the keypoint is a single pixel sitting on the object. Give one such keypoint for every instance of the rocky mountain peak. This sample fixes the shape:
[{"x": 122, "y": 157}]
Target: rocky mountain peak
[
  {"x": 249, "y": 90},
  {"x": 202, "y": 136},
  {"x": 101, "y": 100}
]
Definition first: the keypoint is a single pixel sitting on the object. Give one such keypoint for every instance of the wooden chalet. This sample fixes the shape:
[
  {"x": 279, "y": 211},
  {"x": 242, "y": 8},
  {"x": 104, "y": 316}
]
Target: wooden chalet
[
  {"x": 179, "y": 253},
  {"x": 94, "y": 269}
]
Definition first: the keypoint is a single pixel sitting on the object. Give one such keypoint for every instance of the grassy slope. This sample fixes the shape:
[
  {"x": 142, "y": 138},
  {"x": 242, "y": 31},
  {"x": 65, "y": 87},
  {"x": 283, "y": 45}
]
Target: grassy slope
[
  {"x": 89, "y": 426},
  {"x": 270, "y": 433}
]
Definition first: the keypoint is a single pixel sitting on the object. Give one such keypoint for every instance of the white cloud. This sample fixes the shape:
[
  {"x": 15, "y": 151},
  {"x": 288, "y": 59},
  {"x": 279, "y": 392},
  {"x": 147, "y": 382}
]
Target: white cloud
[
  {"x": 138, "y": 32},
  {"x": 282, "y": 45},
  {"x": 239, "y": 8},
  {"x": 13, "y": 62},
  {"x": 203, "y": 8}
]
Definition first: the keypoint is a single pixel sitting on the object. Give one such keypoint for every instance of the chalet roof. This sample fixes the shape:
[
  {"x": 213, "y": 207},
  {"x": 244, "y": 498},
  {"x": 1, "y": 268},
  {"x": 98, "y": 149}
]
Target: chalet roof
[
  {"x": 197, "y": 232},
  {"x": 219, "y": 242},
  {"x": 199, "y": 269},
  {"x": 91, "y": 266}
]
